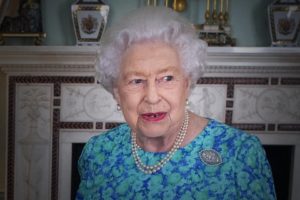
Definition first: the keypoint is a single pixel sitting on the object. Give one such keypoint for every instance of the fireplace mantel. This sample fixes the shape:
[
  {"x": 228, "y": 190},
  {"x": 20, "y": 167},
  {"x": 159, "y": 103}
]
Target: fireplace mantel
[
  {"x": 82, "y": 59},
  {"x": 53, "y": 100}
]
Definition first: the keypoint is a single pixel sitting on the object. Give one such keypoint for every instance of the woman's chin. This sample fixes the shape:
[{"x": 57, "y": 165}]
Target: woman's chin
[
  {"x": 151, "y": 134},
  {"x": 154, "y": 129}
]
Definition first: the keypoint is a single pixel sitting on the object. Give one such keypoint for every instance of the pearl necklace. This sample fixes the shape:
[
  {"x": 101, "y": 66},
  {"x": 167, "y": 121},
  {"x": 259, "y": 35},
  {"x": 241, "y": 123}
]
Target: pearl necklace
[{"x": 149, "y": 169}]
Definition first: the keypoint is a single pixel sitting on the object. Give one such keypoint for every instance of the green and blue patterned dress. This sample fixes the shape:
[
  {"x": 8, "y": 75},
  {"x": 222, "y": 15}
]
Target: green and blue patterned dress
[{"x": 108, "y": 170}]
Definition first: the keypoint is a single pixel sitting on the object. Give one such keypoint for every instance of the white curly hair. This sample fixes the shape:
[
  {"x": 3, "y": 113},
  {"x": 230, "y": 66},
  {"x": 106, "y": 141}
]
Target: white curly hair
[{"x": 157, "y": 24}]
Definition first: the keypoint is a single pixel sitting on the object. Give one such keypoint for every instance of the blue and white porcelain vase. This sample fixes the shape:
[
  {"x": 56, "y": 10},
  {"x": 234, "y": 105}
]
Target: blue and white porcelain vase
[
  {"x": 284, "y": 22},
  {"x": 89, "y": 21}
]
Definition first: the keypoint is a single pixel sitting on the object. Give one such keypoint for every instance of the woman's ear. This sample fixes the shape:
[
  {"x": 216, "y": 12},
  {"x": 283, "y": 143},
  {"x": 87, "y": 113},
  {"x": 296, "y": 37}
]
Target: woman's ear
[
  {"x": 188, "y": 82},
  {"x": 116, "y": 94}
]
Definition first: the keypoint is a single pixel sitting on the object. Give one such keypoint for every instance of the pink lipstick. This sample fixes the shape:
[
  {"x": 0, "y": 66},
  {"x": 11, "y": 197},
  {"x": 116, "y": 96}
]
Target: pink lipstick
[{"x": 154, "y": 117}]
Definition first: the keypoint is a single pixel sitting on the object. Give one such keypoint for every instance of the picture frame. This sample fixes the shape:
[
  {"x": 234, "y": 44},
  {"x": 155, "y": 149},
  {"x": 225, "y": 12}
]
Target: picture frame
[
  {"x": 284, "y": 23},
  {"x": 22, "y": 19},
  {"x": 3, "y": 8},
  {"x": 89, "y": 21}
]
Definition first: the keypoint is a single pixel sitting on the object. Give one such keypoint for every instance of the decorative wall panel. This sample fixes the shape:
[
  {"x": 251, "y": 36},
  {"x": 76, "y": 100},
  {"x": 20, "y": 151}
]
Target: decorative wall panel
[
  {"x": 33, "y": 141},
  {"x": 266, "y": 104},
  {"x": 88, "y": 103},
  {"x": 209, "y": 101}
]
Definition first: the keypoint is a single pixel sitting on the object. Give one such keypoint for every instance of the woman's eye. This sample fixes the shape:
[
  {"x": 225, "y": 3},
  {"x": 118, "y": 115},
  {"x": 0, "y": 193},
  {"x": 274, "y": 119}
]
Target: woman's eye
[
  {"x": 167, "y": 81},
  {"x": 136, "y": 81},
  {"x": 168, "y": 78}
]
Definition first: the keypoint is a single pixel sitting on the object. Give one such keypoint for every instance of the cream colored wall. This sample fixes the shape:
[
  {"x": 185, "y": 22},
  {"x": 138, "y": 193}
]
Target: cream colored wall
[{"x": 3, "y": 126}]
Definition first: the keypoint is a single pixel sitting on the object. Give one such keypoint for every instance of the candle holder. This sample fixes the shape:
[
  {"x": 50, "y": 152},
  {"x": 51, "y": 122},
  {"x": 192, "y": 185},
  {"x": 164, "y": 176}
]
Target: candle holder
[
  {"x": 216, "y": 30},
  {"x": 152, "y": 2},
  {"x": 207, "y": 17},
  {"x": 221, "y": 18},
  {"x": 177, "y": 5},
  {"x": 226, "y": 18},
  {"x": 215, "y": 17}
]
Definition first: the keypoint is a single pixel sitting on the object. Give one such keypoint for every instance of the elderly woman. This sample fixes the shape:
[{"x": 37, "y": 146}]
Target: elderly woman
[{"x": 149, "y": 62}]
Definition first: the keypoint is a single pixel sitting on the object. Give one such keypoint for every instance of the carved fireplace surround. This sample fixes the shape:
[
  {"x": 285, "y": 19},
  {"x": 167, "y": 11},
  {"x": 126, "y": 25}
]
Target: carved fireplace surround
[{"x": 53, "y": 101}]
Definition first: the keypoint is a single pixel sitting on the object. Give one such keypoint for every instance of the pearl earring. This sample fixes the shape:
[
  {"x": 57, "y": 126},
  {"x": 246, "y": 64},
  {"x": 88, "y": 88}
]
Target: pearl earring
[
  {"x": 118, "y": 107},
  {"x": 187, "y": 104}
]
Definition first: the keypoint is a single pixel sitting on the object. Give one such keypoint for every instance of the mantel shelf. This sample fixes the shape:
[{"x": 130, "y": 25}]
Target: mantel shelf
[
  {"x": 83, "y": 58},
  {"x": 65, "y": 59},
  {"x": 92, "y": 50}
]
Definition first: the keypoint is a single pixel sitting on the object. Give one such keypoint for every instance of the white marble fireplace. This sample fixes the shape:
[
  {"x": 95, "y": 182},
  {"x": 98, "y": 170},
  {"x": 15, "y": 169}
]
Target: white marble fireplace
[{"x": 54, "y": 101}]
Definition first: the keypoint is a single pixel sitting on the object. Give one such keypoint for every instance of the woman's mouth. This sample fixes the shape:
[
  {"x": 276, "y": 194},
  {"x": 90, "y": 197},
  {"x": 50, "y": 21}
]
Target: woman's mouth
[{"x": 154, "y": 117}]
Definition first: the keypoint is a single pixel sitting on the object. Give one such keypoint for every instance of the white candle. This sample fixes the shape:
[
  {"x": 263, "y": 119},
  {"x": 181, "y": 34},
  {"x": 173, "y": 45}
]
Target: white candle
[
  {"x": 221, "y": 5},
  {"x": 215, "y": 4},
  {"x": 207, "y": 4},
  {"x": 166, "y": 3}
]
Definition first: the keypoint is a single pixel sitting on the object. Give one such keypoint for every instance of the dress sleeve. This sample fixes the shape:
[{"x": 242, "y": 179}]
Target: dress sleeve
[
  {"x": 254, "y": 178},
  {"x": 85, "y": 172}
]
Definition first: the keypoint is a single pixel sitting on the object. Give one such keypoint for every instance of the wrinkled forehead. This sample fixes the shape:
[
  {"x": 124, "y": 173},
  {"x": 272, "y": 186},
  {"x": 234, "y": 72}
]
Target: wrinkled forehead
[{"x": 150, "y": 56}]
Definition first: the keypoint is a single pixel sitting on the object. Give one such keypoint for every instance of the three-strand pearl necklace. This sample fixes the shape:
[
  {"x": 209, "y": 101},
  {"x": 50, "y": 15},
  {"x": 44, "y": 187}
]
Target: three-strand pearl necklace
[{"x": 149, "y": 169}]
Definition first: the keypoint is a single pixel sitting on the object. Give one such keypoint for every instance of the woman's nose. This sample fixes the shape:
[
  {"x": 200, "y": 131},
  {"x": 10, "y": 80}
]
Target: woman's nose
[{"x": 152, "y": 93}]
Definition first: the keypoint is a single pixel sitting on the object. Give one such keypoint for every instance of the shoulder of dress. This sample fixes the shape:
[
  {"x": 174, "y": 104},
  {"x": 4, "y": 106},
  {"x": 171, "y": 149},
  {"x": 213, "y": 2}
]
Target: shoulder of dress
[
  {"x": 117, "y": 131},
  {"x": 109, "y": 139},
  {"x": 109, "y": 135},
  {"x": 221, "y": 129}
]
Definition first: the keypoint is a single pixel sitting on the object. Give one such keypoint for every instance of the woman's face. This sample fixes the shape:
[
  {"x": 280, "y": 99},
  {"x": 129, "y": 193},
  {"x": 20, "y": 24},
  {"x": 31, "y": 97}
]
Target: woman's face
[{"x": 152, "y": 89}]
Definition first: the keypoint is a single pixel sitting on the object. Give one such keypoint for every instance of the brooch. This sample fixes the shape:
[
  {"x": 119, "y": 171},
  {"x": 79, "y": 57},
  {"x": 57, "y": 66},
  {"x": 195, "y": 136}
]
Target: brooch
[{"x": 210, "y": 157}]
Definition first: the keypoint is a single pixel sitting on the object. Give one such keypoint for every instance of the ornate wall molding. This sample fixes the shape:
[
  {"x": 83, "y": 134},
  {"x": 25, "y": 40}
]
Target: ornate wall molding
[
  {"x": 226, "y": 60},
  {"x": 255, "y": 70},
  {"x": 43, "y": 59}
]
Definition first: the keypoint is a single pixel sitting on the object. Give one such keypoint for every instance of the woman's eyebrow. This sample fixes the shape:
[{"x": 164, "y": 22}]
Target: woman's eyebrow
[
  {"x": 168, "y": 69},
  {"x": 129, "y": 73},
  {"x": 132, "y": 73}
]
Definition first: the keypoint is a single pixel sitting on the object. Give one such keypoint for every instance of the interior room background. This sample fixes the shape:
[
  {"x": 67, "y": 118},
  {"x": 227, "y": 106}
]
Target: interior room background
[{"x": 248, "y": 20}]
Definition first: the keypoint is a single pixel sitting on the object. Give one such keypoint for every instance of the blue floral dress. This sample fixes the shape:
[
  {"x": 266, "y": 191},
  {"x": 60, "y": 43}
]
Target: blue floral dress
[{"x": 241, "y": 170}]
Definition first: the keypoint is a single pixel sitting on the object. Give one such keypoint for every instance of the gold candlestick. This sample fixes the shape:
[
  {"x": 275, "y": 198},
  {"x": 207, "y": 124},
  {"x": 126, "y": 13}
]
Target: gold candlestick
[
  {"x": 226, "y": 14},
  {"x": 215, "y": 17},
  {"x": 207, "y": 17},
  {"x": 207, "y": 12},
  {"x": 226, "y": 18},
  {"x": 221, "y": 16},
  {"x": 214, "y": 13},
  {"x": 151, "y": 2},
  {"x": 167, "y": 3},
  {"x": 179, "y": 5},
  {"x": 215, "y": 4},
  {"x": 207, "y": 5}
]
